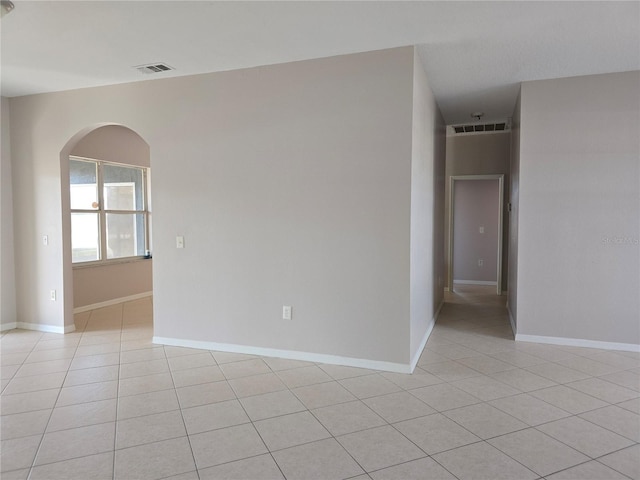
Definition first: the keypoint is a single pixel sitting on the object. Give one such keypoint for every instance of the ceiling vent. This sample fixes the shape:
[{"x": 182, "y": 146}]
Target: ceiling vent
[
  {"x": 153, "y": 68},
  {"x": 479, "y": 128}
]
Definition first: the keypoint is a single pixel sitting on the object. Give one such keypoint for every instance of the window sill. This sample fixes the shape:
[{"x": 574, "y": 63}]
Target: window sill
[{"x": 107, "y": 263}]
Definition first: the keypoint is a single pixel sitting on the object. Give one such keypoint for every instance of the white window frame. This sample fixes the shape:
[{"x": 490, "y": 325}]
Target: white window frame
[{"x": 102, "y": 213}]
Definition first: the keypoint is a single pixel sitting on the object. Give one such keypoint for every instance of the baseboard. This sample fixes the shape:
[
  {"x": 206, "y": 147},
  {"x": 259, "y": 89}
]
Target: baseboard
[
  {"x": 39, "y": 327},
  {"x": 8, "y": 326},
  {"x": 474, "y": 282},
  {"x": 114, "y": 301},
  {"x": 578, "y": 342},
  {"x": 427, "y": 334},
  {"x": 289, "y": 354},
  {"x": 512, "y": 321}
]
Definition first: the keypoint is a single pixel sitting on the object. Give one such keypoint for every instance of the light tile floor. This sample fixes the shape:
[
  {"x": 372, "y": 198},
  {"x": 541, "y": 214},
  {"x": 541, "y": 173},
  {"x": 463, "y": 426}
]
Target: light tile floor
[{"x": 106, "y": 403}]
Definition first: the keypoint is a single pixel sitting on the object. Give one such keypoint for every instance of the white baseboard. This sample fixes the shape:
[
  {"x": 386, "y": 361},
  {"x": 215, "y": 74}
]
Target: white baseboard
[
  {"x": 289, "y": 354},
  {"x": 578, "y": 342},
  {"x": 512, "y": 321},
  {"x": 427, "y": 334},
  {"x": 114, "y": 301},
  {"x": 39, "y": 327},
  {"x": 8, "y": 326},
  {"x": 474, "y": 282}
]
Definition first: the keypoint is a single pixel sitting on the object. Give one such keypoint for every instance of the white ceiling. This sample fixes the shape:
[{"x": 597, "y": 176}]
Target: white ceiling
[{"x": 475, "y": 53}]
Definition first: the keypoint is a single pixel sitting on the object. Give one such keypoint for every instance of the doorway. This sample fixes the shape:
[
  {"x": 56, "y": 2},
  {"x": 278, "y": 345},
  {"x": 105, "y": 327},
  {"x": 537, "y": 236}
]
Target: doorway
[
  {"x": 475, "y": 230},
  {"x": 106, "y": 223}
]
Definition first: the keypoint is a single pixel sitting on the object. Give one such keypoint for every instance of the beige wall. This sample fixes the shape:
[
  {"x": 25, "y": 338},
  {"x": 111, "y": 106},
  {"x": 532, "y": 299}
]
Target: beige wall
[
  {"x": 93, "y": 285},
  {"x": 114, "y": 143},
  {"x": 291, "y": 185},
  {"x": 102, "y": 283},
  {"x": 475, "y": 205},
  {"x": 439, "y": 227},
  {"x": 7, "y": 270},
  {"x": 427, "y": 191},
  {"x": 579, "y": 209},
  {"x": 480, "y": 154},
  {"x": 514, "y": 204}
]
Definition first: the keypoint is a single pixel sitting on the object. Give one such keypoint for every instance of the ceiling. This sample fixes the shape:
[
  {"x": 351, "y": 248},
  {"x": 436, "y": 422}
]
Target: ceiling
[{"x": 475, "y": 53}]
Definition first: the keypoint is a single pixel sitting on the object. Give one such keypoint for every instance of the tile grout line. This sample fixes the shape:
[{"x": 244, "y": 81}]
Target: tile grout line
[
  {"x": 184, "y": 424},
  {"x": 22, "y": 363},
  {"x": 258, "y": 431},
  {"x": 115, "y": 425},
  {"x": 44, "y": 433}
]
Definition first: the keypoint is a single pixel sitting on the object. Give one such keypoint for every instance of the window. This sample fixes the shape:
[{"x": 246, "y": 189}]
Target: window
[{"x": 109, "y": 213}]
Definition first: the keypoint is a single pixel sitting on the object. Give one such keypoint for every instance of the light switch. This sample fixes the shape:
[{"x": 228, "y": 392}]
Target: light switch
[
  {"x": 179, "y": 241},
  {"x": 45, "y": 240},
  {"x": 481, "y": 228}
]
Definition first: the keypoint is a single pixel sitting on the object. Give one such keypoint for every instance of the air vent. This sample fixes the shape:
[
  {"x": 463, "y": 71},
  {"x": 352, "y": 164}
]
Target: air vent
[
  {"x": 153, "y": 68},
  {"x": 478, "y": 128}
]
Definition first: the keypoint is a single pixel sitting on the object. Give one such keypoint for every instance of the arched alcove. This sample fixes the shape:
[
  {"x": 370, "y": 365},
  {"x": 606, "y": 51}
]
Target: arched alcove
[{"x": 92, "y": 285}]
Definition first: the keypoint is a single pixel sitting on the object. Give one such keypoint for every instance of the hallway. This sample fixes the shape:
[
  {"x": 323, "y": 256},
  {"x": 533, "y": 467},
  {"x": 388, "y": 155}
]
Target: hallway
[
  {"x": 474, "y": 308},
  {"x": 550, "y": 408}
]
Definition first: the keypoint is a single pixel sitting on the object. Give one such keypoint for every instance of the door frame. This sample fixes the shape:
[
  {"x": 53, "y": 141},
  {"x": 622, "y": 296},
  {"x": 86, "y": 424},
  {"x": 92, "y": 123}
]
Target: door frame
[{"x": 452, "y": 180}]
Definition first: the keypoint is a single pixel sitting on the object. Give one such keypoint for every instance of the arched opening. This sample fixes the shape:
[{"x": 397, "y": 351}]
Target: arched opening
[{"x": 118, "y": 204}]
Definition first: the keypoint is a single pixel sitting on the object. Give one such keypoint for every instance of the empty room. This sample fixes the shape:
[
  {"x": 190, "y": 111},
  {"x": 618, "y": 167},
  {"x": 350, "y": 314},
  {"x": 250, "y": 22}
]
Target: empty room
[{"x": 320, "y": 240}]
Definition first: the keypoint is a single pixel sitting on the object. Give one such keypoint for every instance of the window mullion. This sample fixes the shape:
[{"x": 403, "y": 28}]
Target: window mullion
[
  {"x": 101, "y": 215},
  {"x": 125, "y": 211},
  {"x": 145, "y": 207}
]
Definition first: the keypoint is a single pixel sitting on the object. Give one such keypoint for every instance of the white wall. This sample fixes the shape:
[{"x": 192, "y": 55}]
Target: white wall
[
  {"x": 291, "y": 184},
  {"x": 427, "y": 191},
  {"x": 579, "y": 209},
  {"x": 481, "y": 154},
  {"x": 475, "y": 205},
  {"x": 7, "y": 270},
  {"x": 108, "y": 282}
]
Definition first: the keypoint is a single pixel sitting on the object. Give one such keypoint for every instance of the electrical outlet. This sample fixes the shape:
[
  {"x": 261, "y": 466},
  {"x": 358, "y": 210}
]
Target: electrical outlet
[
  {"x": 52, "y": 295},
  {"x": 480, "y": 262},
  {"x": 481, "y": 229},
  {"x": 286, "y": 312},
  {"x": 180, "y": 241}
]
